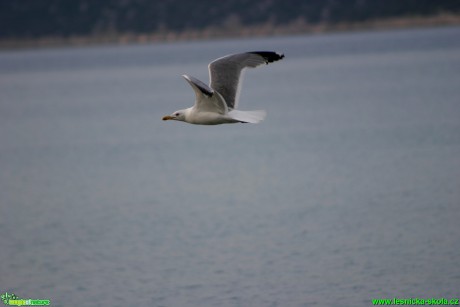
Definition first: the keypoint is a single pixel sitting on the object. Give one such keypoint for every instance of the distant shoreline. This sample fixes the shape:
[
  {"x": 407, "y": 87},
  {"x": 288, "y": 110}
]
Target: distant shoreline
[{"x": 232, "y": 31}]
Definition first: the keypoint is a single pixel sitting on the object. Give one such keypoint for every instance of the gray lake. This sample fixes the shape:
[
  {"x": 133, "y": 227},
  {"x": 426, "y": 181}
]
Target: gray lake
[{"x": 349, "y": 190}]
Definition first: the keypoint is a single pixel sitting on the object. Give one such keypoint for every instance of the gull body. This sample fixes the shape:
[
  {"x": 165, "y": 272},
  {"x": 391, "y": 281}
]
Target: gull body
[{"x": 216, "y": 104}]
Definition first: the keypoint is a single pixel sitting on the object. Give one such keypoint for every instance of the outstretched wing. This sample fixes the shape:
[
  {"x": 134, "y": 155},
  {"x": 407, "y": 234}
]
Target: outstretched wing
[
  {"x": 207, "y": 99},
  {"x": 225, "y": 72}
]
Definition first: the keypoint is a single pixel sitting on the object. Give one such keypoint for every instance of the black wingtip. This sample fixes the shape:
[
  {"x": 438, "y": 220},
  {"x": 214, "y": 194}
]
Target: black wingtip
[
  {"x": 206, "y": 90},
  {"x": 269, "y": 56}
]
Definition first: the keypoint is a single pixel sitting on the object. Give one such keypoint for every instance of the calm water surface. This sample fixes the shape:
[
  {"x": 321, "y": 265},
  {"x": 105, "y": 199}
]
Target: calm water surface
[{"x": 348, "y": 191}]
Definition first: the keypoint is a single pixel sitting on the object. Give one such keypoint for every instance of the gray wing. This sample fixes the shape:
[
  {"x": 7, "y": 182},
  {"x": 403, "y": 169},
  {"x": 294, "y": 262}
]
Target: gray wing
[
  {"x": 206, "y": 98},
  {"x": 225, "y": 72}
]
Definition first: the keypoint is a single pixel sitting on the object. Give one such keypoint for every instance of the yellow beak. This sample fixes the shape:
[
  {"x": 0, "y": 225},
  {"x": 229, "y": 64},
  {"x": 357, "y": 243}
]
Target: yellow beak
[{"x": 168, "y": 117}]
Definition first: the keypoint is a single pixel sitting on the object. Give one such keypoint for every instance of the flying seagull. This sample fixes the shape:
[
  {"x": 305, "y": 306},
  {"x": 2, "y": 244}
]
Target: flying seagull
[{"x": 216, "y": 104}]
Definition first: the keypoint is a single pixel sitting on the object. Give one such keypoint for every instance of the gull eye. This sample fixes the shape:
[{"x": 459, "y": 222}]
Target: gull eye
[{"x": 177, "y": 114}]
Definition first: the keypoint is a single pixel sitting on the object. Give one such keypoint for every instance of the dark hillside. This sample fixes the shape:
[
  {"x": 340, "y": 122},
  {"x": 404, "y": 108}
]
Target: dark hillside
[{"x": 26, "y": 19}]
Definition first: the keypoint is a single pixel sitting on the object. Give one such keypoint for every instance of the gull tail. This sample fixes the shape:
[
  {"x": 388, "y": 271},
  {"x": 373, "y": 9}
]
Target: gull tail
[{"x": 252, "y": 117}]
